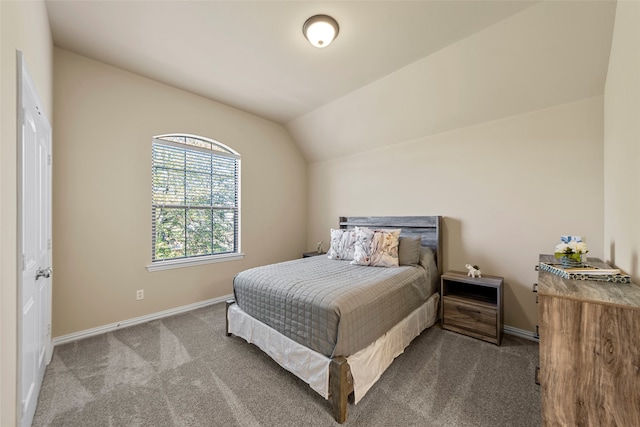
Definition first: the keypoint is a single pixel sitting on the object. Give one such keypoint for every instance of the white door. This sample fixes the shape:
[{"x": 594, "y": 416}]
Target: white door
[{"x": 34, "y": 237}]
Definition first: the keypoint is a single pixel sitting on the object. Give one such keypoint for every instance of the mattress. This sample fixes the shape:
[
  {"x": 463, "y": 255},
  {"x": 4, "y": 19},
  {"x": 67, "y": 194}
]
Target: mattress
[{"x": 330, "y": 306}]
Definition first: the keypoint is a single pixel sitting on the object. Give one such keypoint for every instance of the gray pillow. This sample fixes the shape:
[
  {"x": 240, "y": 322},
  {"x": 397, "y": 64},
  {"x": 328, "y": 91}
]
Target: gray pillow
[
  {"x": 409, "y": 250},
  {"x": 428, "y": 261}
]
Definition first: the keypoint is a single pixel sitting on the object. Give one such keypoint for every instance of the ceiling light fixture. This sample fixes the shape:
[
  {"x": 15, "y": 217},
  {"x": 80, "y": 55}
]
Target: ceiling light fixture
[{"x": 320, "y": 30}]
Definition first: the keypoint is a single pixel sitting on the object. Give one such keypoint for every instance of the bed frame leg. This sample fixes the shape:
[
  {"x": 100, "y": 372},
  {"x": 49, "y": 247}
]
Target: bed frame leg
[
  {"x": 340, "y": 387},
  {"x": 228, "y": 304}
]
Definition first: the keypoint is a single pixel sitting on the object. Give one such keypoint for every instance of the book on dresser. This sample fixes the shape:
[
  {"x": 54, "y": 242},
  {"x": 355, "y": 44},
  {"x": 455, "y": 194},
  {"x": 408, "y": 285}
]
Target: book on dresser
[{"x": 593, "y": 269}]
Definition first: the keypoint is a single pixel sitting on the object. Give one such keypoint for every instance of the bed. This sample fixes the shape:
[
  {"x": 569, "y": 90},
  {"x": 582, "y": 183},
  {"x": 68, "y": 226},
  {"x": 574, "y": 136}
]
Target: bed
[{"x": 336, "y": 325}]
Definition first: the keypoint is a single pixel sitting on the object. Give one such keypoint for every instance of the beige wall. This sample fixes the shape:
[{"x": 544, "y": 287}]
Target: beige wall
[
  {"x": 23, "y": 26},
  {"x": 622, "y": 143},
  {"x": 466, "y": 133},
  {"x": 507, "y": 190},
  {"x": 105, "y": 119}
]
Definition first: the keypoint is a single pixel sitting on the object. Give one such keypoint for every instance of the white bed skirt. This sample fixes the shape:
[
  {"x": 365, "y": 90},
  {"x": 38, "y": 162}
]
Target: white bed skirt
[{"x": 367, "y": 365}]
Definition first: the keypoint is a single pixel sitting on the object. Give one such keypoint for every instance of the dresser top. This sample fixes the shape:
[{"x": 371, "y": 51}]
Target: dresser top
[
  {"x": 620, "y": 294},
  {"x": 485, "y": 280}
]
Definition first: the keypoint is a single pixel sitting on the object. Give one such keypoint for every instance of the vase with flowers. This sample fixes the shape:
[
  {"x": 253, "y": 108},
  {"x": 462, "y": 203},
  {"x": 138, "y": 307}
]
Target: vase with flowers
[{"x": 570, "y": 252}]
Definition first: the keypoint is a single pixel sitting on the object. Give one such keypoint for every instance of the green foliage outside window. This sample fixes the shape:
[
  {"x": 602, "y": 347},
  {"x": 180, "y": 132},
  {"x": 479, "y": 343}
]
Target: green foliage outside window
[{"x": 195, "y": 198}]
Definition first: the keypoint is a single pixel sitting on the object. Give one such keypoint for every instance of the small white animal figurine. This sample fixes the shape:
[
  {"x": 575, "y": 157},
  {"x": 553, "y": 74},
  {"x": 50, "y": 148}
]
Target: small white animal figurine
[{"x": 474, "y": 270}]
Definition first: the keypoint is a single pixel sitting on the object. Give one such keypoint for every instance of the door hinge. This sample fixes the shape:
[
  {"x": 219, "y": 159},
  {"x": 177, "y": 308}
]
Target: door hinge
[
  {"x": 49, "y": 244},
  {"x": 49, "y": 329},
  {"x": 49, "y": 159}
]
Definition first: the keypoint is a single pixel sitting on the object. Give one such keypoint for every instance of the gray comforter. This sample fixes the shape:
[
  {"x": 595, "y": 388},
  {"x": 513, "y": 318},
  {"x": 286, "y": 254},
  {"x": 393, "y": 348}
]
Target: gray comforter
[{"x": 330, "y": 306}]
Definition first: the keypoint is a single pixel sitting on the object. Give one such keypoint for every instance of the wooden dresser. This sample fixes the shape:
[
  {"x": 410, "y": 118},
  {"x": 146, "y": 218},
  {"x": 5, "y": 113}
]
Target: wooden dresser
[{"x": 589, "y": 351}]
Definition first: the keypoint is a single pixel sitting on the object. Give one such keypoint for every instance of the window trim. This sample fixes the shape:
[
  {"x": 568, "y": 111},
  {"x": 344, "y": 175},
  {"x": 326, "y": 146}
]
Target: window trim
[
  {"x": 189, "y": 262},
  {"x": 167, "y": 264}
]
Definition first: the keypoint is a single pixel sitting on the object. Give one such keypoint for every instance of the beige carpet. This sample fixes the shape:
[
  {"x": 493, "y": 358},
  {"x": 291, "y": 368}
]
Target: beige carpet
[{"x": 184, "y": 371}]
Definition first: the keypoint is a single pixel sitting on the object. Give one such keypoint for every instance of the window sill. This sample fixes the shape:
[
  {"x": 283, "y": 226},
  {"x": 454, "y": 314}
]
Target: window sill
[{"x": 190, "y": 262}]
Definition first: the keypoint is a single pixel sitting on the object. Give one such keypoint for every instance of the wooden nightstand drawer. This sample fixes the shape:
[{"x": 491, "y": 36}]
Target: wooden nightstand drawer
[{"x": 471, "y": 316}]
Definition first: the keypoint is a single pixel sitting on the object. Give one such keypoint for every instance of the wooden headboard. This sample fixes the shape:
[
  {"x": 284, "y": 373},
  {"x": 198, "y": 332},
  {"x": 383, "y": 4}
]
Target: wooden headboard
[{"x": 427, "y": 227}]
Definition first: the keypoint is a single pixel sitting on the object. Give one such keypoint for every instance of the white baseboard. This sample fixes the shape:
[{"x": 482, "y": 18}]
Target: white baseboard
[
  {"x": 142, "y": 319},
  {"x": 520, "y": 333},
  {"x": 183, "y": 309}
]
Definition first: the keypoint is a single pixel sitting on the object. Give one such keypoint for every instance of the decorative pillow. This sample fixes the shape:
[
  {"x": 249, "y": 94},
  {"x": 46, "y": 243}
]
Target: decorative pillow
[
  {"x": 409, "y": 250},
  {"x": 362, "y": 253},
  {"x": 342, "y": 244},
  {"x": 334, "y": 244},
  {"x": 384, "y": 248}
]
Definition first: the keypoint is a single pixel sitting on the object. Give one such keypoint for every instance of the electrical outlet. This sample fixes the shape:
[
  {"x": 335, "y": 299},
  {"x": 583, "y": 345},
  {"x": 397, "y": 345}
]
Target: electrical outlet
[{"x": 140, "y": 294}]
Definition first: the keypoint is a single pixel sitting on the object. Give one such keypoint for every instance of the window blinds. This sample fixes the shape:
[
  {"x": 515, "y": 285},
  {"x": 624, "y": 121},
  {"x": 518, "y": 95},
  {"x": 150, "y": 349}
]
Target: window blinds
[{"x": 195, "y": 201}]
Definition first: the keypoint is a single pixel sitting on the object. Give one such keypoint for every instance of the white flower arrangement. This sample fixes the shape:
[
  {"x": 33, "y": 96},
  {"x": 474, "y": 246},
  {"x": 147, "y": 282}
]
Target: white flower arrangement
[{"x": 572, "y": 248}]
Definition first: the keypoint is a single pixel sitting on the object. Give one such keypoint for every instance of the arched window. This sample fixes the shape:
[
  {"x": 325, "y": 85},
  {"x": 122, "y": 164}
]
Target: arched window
[{"x": 195, "y": 213}]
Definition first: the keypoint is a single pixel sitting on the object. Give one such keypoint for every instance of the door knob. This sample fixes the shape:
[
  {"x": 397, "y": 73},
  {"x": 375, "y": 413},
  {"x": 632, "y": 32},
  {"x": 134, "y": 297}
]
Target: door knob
[{"x": 44, "y": 272}]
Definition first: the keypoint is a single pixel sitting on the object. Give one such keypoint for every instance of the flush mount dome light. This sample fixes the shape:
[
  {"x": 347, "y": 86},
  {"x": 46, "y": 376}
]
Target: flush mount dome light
[{"x": 320, "y": 30}]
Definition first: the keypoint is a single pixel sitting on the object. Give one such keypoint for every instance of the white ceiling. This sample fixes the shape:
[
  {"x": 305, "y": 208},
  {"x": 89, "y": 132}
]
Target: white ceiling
[
  {"x": 550, "y": 54},
  {"x": 252, "y": 55}
]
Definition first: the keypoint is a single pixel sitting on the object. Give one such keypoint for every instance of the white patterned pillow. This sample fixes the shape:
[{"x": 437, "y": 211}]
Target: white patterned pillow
[
  {"x": 342, "y": 244},
  {"x": 384, "y": 248},
  {"x": 362, "y": 253}
]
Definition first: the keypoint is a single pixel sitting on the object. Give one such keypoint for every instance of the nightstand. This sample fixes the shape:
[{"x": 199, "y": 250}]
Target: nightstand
[
  {"x": 472, "y": 305},
  {"x": 314, "y": 253}
]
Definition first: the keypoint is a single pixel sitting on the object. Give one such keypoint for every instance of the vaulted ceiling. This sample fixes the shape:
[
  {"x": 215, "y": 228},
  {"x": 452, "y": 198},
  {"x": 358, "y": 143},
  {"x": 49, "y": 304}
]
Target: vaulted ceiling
[{"x": 252, "y": 55}]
